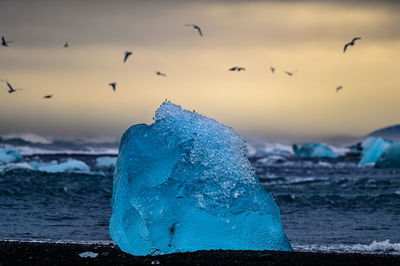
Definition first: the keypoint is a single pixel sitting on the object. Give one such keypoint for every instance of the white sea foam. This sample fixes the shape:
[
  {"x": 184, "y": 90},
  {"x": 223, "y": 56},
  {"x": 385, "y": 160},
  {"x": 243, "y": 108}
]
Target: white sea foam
[
  {"x": 13, "y": 166},
  {"x": 63, "y": 241},
  {"x": 26, "y": 150},
  {"x": 375, "y": 247}
]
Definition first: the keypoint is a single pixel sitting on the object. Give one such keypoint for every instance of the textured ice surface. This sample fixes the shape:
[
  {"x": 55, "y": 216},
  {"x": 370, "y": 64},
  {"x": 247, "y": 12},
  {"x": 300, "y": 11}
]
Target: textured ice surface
[
  {"x": 9, "y": 155},
  {"x": 390, "y": 158},
  {"x": 373, "y": 149},
  {"x": 106, "y": 161},
  {"x": 54, "y": 167},
  {"x": 184, "y": 183},
  {"x": 314, "y": 150}
]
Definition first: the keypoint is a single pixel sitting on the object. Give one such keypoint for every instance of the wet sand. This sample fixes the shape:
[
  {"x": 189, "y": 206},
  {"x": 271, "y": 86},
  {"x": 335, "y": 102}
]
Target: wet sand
[{"x": 38, "y": 253}]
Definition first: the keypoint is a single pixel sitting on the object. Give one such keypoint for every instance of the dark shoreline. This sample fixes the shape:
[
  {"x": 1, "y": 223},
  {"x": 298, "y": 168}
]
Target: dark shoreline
[{"x": 48, "y": 253}]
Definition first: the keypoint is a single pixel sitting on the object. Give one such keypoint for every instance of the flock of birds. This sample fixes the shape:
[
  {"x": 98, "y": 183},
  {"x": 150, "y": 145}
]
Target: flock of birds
[{"x": 113, "y": 85}]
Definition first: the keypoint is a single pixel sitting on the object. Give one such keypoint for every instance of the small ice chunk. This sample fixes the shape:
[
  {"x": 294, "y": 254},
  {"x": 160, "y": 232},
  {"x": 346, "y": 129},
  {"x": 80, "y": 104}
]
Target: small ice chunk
[
  {"x": 390, "y": 158},
  {"x": 9, "y": 155},
  {"x": 71, "y": 165},
  {"x": 314, "y": 150},
  {"x": 373, "y": 149},
  {"x": 88, "y": 254},
  {"x": 106, "y": 161}
]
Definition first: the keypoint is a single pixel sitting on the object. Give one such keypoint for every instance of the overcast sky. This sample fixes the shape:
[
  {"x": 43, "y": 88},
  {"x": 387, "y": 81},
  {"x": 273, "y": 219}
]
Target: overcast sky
[{"x": 307, "y": 36}]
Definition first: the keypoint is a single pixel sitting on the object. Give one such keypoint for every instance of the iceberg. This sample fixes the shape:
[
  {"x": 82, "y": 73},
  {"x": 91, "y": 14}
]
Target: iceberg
[
  {"x": 314, "y": 150},
  {"x": 9, "y": 155},
  {"x": 372, "y": 149},
  {"x": 54, "y": 167},
  {"x": 390, "y": 158},
  {"x": 106, "y": 161},
  {"x": 184, "y": 183}
]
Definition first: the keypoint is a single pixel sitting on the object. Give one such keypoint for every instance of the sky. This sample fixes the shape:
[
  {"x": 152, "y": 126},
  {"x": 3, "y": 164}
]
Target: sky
[{"x": 307, "y": 36}]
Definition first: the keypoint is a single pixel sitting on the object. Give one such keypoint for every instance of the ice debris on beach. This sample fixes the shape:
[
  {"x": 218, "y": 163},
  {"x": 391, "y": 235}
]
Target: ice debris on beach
[
  {"x": 88, "y": 254},
  {"x": 54, "y": 167},
  {"x": 314, "y": 150},
  {"x": 372, "y": 149},
  {"x": 9, "y": 155},
  {"x": 390, "y": 158},
  {"x": 106, "y": 161},
  {"x": 184, "y": 183}
]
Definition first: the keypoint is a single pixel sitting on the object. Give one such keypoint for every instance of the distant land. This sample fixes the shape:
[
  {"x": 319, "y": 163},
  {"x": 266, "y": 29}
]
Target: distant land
[{"x": 391, "y": 133}]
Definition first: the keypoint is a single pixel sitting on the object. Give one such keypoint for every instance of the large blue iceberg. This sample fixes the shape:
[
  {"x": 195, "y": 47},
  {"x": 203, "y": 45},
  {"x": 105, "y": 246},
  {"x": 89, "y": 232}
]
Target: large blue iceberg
[
  {"x": 390, "y": 158},
  {"x": 314, "y": 150},
  {"x": 373, "y": 148},
  {"x": 184, "y": 183}
]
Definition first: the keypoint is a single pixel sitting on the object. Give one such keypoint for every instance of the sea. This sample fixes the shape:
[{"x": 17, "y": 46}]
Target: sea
[{"x": 60, "y": 191}]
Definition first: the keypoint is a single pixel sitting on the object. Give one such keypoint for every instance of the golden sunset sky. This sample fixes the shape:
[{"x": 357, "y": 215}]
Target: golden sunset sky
[{"x": 307, "y": 36}]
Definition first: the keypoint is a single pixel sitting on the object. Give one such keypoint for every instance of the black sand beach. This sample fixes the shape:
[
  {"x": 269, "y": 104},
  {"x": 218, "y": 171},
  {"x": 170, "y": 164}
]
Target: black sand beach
[{"x": 31, "y": 253}]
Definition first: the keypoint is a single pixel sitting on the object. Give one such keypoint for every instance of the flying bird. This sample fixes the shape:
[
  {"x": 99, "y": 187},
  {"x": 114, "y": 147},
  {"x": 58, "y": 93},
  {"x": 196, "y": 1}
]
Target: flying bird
[
  {"x": 161, "y": 74},
  {"x": 113, "y": 85},
  {"x": 272, "y": 69},
  {"x": 236, "y": 68},
  {"x": 10, "y": 88},
  {"x": 339, "y": 88},
  {"x": 351, "y": 43},
  {"x": 196, "y": 28},
  {"x": 127, "y": 54},
  {"x": 48, "y": 96},
  {"x": 66, "y": 45},
  {"x": 290, "y": 73},
  {"x": 4, "y": 42}
]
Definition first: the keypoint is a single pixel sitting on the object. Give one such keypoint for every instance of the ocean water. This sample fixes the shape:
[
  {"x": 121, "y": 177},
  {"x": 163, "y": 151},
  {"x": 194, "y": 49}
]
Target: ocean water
[{"x": 326, "y": 204}]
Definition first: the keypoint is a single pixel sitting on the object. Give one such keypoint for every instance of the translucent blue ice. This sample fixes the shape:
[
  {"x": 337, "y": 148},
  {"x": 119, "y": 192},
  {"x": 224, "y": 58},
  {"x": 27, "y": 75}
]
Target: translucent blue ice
[
  {"x": 390, "y": 158},
  {"x": 104, "y": 162},
  {"x": 314, "y": 150},
  {"x": 55, "y": 167},
  {"x": 184, "y": 183},
  {"x": 373, "y": 149},
  {"x": 9, "y": 155}
]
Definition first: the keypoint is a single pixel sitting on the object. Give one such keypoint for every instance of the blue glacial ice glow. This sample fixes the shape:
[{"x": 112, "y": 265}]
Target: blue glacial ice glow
[
  {"x": 373, "y": 149},
  {"x": 314, "y": 150},
  {"x": 55, "y": 167},
  {"x": 390, "y": 158},
  {"x": 184, "y": 183},
  {"x": 9, "y": 155}
]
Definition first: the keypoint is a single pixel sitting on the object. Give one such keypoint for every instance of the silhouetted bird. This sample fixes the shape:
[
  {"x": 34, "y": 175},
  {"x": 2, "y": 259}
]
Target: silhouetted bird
[
  {"x": 272, "y": 69},
  {"x": 66, "y": 45},
  {"x": 290, "y": 73},
  {"x": 351, "y": 43},
  {"x": 339, "y": 88},
  {"x": 236, "y": 68},
  {"x": 195, "y": 27},
  {"x": 161, "y": 74},
  {"x": 127, "y": 54},
  {"x": 113, "y": 85},
  {"x": 10, "y": 88},
  {"x": 4, "y": 42},
  {"x": 48, "y": 96}
]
